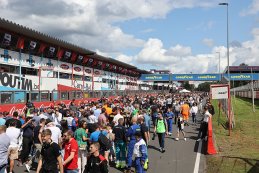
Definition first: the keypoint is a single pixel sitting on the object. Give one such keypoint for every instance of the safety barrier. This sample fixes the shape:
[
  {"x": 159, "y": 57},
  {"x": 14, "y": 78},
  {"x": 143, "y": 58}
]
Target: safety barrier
[
  {"x": 16, "y": 100},
  {"x": 211, "y": 147}
]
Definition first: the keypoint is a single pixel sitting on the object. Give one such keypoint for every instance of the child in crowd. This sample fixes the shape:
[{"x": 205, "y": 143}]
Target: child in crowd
[
  {"x": 140, "y": 152},
  {"x": 180, "y": 127}
]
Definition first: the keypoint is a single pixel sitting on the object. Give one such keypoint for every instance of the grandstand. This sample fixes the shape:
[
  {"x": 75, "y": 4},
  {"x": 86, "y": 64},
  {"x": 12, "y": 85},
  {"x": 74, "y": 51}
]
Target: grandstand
[{"x": 38, "y": 67}]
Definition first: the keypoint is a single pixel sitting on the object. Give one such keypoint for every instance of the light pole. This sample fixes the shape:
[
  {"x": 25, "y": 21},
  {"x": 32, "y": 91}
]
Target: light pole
[
  {"x": 226, "y": 4},
  {"x": 219, "y": 61},
  {"x": 229, "y": 106}
]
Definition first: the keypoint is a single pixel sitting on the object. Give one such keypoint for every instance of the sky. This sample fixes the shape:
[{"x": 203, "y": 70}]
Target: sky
[{"x": 182, "y": 36}]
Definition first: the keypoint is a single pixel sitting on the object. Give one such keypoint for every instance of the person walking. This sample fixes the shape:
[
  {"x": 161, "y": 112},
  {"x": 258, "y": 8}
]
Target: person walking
[
  {"x": 71, "y": 153},
  {"x": 161, "y": 129},
  {"x": 185, "y": 111},
  {"x": 169, "y": 115},
  {"x": 37, "y": 141},
  {"x": 180, "y": 127},
  {"x": 194, "y": 111},
  {"x": 50, "y": 155},
  {"x": 120, "y": 144}
]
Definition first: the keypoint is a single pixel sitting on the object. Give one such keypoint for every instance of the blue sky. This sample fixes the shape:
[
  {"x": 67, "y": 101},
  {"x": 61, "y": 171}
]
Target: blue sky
[
  {"x": 178, "y": 35},
  {"x": 190, "y": 26}
]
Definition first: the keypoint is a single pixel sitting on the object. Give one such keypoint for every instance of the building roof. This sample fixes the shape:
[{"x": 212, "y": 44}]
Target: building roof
[
  {"x": 20, "y": 30},
  {"x": 242, "y": 69}
]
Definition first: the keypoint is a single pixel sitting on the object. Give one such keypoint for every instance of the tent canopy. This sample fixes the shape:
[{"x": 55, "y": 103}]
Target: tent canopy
[{"x": 184, "y": 91}]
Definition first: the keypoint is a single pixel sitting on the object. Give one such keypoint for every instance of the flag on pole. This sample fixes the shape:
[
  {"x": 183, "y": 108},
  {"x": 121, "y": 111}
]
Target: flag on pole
[
  {"x": 60, "y": 53},
  {"x": 73, "y": 57},
  {"x": 42, "y": 48},
  {"x": 20, "y": 43}
]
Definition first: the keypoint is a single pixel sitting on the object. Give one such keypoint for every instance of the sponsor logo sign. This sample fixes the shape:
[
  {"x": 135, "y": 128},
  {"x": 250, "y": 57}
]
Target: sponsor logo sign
[{"x": 64, "y": 66}]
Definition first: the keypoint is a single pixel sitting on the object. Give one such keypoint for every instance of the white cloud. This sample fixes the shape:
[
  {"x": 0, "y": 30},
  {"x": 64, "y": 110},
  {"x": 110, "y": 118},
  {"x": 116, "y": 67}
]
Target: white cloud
[
  {"x": 252, "y": 9},
  {"x": 180, "y": 59},
  {"x": 208, "y": 42},
  {"x": 125, "y": 59}
]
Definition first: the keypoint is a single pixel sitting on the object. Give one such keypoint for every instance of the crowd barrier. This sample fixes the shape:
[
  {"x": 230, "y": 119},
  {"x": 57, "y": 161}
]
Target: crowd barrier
[{"x": 16, "y": 100}]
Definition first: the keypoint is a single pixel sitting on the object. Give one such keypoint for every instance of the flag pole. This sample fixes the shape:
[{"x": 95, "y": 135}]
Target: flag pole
[{"x": 20, "y": 66}]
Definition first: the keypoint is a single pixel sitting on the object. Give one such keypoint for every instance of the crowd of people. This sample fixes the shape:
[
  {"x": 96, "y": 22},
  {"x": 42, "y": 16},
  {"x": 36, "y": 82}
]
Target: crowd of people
[{"x": 89, "y": 137}]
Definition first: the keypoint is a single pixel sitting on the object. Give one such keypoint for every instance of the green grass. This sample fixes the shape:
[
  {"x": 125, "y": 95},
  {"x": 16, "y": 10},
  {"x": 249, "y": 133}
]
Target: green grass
[{"x": 238, "y": 152}]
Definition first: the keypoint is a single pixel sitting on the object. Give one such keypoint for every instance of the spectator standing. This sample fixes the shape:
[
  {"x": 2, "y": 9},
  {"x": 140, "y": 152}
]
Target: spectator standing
[
  {"x": 4, "y": 145},
  {"x": 55, "y": 132},
  {"x": 204, "y": 125},
  {"x": 131, "y": 134},
  {"x": 81, "y": 138},
  {"x": 194, "y": 111},
  {"x": 13, "y": 133},
  {"x": 37, "y": 142},
  {"x": 96, "y": 163},
  {"x": 120, "y": 144},
  {"x": 15, "y": 118},
  {"x": 71, "y": 153},
  {"x": 27, "y": 140},
  {"x": 50, "y": 155}
]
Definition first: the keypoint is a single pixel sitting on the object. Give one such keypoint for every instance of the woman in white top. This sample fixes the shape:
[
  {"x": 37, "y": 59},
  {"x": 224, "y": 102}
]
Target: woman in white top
[{"x": 194, "y": 111}]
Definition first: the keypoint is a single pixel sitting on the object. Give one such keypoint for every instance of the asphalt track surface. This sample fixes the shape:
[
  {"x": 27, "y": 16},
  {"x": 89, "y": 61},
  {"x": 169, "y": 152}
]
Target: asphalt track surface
[{"x": 179, "y": 156}]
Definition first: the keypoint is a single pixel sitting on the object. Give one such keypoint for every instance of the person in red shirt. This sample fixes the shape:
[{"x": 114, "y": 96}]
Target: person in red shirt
[{"x": 71, "y": 153}]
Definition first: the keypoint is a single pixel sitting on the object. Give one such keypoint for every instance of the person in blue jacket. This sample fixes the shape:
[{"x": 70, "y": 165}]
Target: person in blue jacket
[
  {"x": 169, "y": 115},
  {"x": 131, "y": 134}
]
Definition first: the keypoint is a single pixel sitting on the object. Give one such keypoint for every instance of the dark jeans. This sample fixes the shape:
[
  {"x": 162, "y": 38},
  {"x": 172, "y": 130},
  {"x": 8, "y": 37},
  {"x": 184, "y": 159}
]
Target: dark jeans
[
  {"x": 204, "y": 129},
  {"x": 161, "y": 139},
  {"x": 26, "y": 148},
  {"x": 193, "y": 117}
]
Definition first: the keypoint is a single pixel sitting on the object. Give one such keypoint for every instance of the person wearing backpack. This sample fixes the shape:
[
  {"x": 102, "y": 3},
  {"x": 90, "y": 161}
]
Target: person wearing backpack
[
  {"x": 131, "y": 134},
  {"x": 161, "y": 129}
]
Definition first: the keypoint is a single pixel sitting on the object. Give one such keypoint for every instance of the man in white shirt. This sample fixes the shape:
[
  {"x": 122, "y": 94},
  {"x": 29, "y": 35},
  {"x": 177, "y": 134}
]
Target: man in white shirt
[
  {"x": 204, "y": 125},
  {"x": 92, "y": 119},
  {"x": 117, "y": 117},
  {"x": 13, "y": 133},
  {"x": 56, "y": 132}
]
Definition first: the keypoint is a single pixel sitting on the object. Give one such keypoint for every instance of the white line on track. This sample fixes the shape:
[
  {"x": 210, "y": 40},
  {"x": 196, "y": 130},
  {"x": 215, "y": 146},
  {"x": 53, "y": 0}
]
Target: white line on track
[{"x": 198, "y": 156}]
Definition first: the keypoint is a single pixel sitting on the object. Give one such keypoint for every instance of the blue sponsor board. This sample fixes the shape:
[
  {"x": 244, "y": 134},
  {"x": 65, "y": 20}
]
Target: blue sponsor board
[
  {"x": 196, "y": 77},
  {"x": 243, "y": 76},
  {"x": 155, "y": 77}
]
